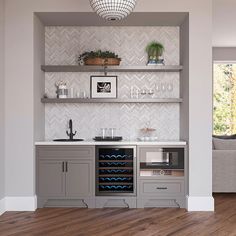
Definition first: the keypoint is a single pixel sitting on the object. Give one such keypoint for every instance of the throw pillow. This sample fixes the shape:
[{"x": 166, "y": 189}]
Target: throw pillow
[{"x": 224, "y": 144}]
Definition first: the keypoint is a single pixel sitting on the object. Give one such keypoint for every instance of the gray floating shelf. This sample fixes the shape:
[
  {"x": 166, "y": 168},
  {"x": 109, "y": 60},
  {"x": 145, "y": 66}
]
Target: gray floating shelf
[
  {"x": 75, "y": 68},
  {"x": 80, "y": 100}
]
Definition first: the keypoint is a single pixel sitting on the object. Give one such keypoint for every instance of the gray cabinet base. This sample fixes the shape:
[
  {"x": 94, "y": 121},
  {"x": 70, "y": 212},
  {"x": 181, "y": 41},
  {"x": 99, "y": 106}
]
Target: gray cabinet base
[
  {"x": 121, "y": 202},
  {"x": 113, "y": 202},
  {"x": 88, "y": 202},
  {"x": 143, "y": 202}
]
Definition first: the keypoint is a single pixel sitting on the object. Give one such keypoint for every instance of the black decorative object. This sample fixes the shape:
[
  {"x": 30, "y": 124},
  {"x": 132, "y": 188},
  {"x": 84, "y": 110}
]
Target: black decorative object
[{"x": 100, "y": 138}]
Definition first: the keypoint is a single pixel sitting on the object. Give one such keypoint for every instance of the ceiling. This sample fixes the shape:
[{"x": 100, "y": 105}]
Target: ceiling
[{"x": 92, "y": 19}]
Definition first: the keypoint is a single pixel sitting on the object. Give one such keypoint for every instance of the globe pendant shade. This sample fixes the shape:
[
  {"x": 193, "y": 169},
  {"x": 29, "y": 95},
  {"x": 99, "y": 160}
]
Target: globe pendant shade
[{"x": 113, "y": 9}]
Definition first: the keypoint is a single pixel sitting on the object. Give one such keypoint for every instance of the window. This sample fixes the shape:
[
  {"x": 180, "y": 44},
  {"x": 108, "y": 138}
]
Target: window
[{"x": 224, "y": 99}]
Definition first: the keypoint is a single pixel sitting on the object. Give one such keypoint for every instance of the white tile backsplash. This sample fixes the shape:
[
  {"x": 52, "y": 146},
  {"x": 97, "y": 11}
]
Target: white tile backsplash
[
  {"x": 128, "y": 119},
  {"x": 64, "y": 44}
]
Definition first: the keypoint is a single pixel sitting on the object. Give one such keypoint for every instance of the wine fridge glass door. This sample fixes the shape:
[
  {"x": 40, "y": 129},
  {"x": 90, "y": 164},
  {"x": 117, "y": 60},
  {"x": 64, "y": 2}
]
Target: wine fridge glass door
[{"x": 115, "y": 170}]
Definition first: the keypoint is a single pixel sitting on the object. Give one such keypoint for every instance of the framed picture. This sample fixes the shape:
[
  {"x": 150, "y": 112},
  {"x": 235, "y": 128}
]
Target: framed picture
[{"x": 103, "y": 86}]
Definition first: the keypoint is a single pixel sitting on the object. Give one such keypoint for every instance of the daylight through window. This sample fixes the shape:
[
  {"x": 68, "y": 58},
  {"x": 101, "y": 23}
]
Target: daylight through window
[{"x": 224, "y": 99}]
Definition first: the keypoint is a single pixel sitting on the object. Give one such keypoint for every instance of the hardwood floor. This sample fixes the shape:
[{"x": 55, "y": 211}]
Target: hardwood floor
[{"x": 123, "y": 222}]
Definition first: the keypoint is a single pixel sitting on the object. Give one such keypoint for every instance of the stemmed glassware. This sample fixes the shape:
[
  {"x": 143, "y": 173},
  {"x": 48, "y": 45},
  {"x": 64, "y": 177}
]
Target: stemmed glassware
[
  {"x": 170, "y": 87},
  {"x": 150, "y": 92},
  {"x": 164, "y": 87}
]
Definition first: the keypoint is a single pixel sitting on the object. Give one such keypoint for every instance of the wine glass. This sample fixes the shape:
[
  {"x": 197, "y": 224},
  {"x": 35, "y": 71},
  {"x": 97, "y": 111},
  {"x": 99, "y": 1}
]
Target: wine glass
[
  {"x": 143, "y": 92},
  {"x": 163, "y": 87},
  {"x": 150, "y": 92},
  {"x": 158, "y": 87},
  {"x": 170, "y": 87}
]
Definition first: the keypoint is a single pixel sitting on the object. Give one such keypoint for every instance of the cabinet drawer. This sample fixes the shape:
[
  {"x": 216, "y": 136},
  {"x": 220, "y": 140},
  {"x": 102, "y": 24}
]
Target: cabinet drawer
[
  {"x": 63, "y": 152},
  {"x": 161, "y": 188}
]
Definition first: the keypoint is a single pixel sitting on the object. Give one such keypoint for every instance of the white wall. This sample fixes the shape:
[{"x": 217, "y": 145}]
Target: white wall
[
  {"x": 19, "y": 91},
  {"x": 224, "y": 54},
  {"x": 184, "y": 85},
  {"x": 39, "y": 82},
  {"x": 184, "y": 92},
  {"x": 224, "y": 18},
  {"x": 200, "y": 105},
  {"x": 2, "y": 101}
]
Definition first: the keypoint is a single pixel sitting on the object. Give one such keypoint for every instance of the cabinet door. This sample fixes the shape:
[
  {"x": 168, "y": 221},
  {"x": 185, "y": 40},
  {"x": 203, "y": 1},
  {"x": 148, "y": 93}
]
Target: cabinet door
[
  {"x": 79, "y": 178},
  {"x": 51, "y": 178}
]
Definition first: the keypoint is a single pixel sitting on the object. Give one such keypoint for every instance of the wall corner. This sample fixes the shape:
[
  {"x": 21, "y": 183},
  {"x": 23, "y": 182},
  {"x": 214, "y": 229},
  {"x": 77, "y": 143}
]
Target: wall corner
[{"x": 199, "y": 203}]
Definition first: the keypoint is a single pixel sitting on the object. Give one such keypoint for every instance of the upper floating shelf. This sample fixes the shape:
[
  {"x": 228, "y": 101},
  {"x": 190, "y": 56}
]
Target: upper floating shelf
[
  {"x": 75, "y": 68},
  {"x": 107, "y": 100}
]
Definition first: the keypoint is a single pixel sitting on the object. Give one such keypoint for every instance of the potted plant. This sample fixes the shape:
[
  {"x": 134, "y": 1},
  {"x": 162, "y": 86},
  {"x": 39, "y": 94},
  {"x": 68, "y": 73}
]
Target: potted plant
[
  {"x": 99, "y": 57},
  {"x": 155, "y": 51}
]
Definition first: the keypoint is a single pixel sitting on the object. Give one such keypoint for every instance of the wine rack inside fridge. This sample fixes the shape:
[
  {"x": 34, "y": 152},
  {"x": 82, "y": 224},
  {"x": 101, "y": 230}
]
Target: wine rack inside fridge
[{"x": 115, "y": 170}]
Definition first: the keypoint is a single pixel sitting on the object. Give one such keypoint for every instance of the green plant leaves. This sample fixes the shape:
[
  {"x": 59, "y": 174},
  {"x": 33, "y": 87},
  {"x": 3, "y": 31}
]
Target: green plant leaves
[
  {"x": 154, "y": 50},
  {"x": 98, "y": 53}
]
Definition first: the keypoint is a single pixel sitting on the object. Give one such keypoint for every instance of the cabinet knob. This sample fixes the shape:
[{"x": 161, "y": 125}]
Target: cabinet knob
[{"x": 162, "y": 172}]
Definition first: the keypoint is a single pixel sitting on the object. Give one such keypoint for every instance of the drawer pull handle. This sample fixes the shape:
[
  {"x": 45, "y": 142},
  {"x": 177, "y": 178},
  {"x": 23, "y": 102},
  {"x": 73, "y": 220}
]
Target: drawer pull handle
[
  {"x": 66, "y": 166},
  {"x": 161, "y": 188}
]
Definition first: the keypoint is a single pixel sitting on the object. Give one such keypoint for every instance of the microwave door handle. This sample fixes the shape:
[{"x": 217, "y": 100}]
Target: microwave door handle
[{"x": 167, "y": 157}]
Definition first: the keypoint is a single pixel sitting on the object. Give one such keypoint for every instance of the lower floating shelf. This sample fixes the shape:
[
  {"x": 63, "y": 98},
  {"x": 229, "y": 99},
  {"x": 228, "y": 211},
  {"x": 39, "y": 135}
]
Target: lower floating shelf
[{"x": 106, "y": 100}]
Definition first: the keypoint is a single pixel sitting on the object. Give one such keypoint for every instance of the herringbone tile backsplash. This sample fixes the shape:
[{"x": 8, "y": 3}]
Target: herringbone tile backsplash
[{"x": 64, "y": 44}]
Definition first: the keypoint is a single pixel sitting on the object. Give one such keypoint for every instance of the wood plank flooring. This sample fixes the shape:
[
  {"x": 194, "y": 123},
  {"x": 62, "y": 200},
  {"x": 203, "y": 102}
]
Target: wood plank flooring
[{"x": 123, "y": 222}]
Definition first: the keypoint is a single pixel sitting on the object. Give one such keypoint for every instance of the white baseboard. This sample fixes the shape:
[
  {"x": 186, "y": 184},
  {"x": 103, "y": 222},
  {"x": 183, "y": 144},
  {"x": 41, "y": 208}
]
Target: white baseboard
[
  {"x": 200, "y": 203},
  {"x": 20, "y": 203},
  {"x": 30, "y": 204},
  {"x": 2, "y": 206}
]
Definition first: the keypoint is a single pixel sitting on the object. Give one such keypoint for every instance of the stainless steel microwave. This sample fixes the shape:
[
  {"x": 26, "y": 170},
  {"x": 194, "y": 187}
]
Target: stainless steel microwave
[{"x": 162, "y": 158}]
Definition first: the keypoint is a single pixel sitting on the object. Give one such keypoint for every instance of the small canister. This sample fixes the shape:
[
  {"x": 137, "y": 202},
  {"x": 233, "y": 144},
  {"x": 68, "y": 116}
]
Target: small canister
[{"x": 62, "y": 91}]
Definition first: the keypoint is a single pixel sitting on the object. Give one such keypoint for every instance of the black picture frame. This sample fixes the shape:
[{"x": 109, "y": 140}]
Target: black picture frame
[{"x": 103, "y": 86}]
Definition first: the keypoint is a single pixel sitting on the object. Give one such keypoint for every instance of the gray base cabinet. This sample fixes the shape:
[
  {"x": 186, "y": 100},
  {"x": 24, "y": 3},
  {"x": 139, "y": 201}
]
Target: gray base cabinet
[
  {"x": 65, "y": 176},
  {"x": 161, "y": 193},
  {"x": 79, "y": 180},
  {"x": 161, "y": 186},
  {"x": 51, "y": 178}
]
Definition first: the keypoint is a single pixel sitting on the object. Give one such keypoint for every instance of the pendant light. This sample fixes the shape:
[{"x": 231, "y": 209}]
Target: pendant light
[{"x": 113, "y": 9}]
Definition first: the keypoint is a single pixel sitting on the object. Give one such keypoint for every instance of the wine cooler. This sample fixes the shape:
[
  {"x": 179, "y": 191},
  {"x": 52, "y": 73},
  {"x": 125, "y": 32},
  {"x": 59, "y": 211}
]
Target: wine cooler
[{"x": 115, "y": 170}]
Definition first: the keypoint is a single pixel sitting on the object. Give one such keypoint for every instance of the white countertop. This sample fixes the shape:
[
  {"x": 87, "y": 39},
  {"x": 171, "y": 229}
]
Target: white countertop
[{"x": 123, "y": 142}]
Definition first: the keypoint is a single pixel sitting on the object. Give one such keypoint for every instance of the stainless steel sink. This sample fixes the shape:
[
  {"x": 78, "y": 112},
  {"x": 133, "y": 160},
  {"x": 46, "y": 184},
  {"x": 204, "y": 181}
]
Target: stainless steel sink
[{"x": 68, "y": 140}]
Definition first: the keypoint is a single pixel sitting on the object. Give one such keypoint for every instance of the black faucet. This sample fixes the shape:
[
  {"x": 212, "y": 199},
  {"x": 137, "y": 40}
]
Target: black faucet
[{"x": 71, "y": 134}]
